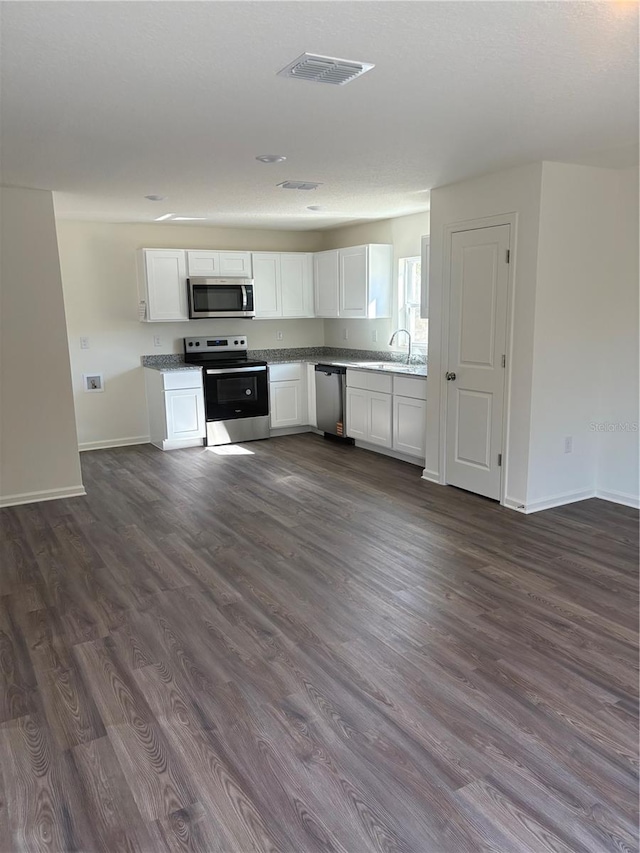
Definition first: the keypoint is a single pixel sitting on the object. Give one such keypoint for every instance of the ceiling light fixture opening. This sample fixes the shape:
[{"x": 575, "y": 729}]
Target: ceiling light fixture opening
[
  {"x": 314, "y": 207},
  {"x": 271, "y": 158},
  {"x": 156, "y": 197},
  {"x": 298, "y": 185},
  {"x": 325, "y": 69}
]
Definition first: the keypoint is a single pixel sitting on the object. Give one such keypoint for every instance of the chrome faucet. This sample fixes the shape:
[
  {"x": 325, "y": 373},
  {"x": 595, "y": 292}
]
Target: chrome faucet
[{"x": 408, "y": 334}]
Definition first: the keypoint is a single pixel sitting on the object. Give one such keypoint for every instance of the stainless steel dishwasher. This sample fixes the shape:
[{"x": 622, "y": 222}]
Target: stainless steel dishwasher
[{"x": 331, "y": 400}]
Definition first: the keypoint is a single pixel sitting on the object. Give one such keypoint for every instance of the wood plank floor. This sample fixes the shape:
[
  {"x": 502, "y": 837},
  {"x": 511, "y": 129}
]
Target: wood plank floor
[{"x": 307, "y": 648}]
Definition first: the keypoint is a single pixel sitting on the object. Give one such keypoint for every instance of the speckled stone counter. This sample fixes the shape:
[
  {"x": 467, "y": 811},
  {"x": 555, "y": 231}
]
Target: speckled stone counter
[{"x": 167, "y": 362}]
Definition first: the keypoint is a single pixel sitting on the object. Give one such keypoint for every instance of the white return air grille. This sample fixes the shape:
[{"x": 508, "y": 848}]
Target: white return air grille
[{"x": 325, "y": 69}]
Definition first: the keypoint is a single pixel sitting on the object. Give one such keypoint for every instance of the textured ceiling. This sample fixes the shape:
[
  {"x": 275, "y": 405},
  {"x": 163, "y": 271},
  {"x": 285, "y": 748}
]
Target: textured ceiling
[{"x": 105, "y": 102}]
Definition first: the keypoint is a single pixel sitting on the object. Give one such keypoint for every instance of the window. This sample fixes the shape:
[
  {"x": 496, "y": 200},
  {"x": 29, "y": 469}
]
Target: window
[{"x": 409, "y": 300}]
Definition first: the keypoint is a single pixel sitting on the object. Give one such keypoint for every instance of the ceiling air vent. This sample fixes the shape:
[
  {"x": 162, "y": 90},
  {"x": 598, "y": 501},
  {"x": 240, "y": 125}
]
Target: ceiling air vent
[
  {"x": 325, "y": 69},
  {"x": 298, "y": 185}
]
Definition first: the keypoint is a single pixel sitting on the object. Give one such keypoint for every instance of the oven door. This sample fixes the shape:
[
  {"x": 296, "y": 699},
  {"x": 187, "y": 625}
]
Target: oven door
[
  {"x": 220, "y": 299},
  {"x": 235, "y": 392}
]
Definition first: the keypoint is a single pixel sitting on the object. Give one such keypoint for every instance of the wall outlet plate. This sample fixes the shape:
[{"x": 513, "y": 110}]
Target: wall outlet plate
[
  {"x": 93, "y": 382},
  {"x": 374, "y": 336},
  {"x": 279, "y": 336},
  {"x": 157, "y": 341},
  {"x": 84, "y": 343}
]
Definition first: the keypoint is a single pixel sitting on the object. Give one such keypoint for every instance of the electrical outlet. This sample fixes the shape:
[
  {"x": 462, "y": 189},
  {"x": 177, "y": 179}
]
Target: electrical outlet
[
  {"x": 84, "y": 343},
  {"x": 157, "y": 341},
  {"x": 345, "y": 334},
  {"x": 568, "y": 444},
  {"x": 374, "y": 336},
  {"x": 279, "y": 336}
]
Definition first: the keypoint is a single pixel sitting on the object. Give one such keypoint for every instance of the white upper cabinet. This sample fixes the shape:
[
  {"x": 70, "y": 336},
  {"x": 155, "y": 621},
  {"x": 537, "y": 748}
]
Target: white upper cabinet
[
  {"x": 296, "y": 276},
  {"x": 326, "y": 276},
  {"x": 283, "y": 284},
  {"x": 355, "y": 282},
  {"x": 266, "y": 284},
  {"x": 212, "y": 263},
  {"x": 162, "y": 283}
]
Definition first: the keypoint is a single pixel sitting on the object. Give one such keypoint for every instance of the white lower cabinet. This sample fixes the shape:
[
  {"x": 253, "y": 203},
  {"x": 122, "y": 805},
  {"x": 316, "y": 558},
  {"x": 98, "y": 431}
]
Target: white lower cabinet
[
  {"x": 388, "y": 411},
  {"x": 175, "y": 401},
  {"x": 369, "y": 416},
  {"x": 409, "y": 426},
  {"x": 288, "y": 395}
]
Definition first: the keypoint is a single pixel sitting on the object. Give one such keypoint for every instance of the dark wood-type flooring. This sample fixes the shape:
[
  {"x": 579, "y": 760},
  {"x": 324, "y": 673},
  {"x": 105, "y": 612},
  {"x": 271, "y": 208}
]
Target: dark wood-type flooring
[{"x": 308, "y": 648}]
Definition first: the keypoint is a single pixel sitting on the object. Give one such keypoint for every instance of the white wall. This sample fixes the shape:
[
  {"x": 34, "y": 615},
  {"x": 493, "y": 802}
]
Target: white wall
[
  {"x": 617, "y": 467},
  {"x": 583, "y": 294},
  {"x": 404, "y": 234},
  {"x": 514, "y": 191},
  {"x": 98, "y": 263},
  {"x": 38, "y": 444}
]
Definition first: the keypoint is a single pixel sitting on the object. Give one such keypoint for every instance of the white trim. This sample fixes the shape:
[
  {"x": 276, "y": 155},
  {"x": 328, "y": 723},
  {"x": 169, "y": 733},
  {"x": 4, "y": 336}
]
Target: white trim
[
  {"x": 432, "y": 477},
  {"x": 45, "y": 495},
  {"x": 510, "y": 219},
  {"x": 619, "y": 498},
  {"x": 113, "y": 442},
  {"x": 555, "y": 500},
  {"x": 385, "y": 451},
  {"x": 178, "y": 443}
]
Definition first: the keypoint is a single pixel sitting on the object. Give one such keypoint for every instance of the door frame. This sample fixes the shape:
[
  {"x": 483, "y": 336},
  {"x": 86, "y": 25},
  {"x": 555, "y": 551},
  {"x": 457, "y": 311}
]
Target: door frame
[{"x": 510, "y": 219}]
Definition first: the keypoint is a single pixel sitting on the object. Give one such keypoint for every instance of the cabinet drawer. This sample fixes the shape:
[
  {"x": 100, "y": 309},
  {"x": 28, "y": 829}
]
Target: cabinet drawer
[
  {"x": 175, "y": 380},
  {"x": 407, "y": 386},
  {"x": 284, "y": 372},
  {"x": 369, "y": 381}
]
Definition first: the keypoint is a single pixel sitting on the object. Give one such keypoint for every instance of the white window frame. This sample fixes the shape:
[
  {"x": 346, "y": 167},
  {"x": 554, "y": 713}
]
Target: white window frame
[{"x": 402, "y": 313}]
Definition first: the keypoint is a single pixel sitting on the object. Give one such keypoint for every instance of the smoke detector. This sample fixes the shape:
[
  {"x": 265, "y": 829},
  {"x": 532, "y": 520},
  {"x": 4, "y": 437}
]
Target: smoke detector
[
  {"x": 325, "y": 69},
  {"x": 298, "y": 185}
]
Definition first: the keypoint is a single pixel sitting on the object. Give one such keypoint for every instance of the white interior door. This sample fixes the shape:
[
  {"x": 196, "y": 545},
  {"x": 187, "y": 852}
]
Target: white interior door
[{"x": 475, "y": 374}]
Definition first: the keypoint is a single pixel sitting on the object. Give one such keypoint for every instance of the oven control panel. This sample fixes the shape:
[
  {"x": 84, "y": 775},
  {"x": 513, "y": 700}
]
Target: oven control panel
[{"x": 219, "y": 343}]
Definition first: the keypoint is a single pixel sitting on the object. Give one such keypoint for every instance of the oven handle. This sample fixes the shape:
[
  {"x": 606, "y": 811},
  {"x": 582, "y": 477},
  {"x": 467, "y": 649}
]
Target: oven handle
[
  {"x": 244, "y": 297},
  {"x": 234, "y": 370}
]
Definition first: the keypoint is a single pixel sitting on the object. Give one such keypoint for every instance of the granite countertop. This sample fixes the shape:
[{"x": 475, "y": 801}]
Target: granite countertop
[{"x": 381, "y": 362}]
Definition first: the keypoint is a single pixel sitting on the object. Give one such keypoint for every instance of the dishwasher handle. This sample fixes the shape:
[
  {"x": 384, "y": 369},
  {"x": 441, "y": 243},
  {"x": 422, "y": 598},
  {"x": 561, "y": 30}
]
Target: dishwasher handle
[{"x": 329, "y": 369}]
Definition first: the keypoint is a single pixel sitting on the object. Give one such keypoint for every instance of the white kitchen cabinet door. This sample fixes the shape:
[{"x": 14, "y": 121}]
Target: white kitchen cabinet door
[
  {"x": 164, "y": 285},
  {"x": 311, "y": 396},
  {"x": 266, "y": 284},
  {"x": 326, "y": 277},
  {"x": 296, "y": 279},
  {"x": 353, "y": 282},
  {"x": 185, "y": 414},
  {"x": 380, "y": 419},
  {"x": 357, "y": 413},
  {"x": 235, "y": 263},
  {"x": 286, "y": 403},
  {"x": 203, "y": 263},
  {"x": 409, "y": 426}
]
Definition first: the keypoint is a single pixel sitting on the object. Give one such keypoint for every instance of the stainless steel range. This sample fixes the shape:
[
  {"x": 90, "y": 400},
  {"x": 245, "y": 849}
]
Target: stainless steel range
[{"x": 236, "y": 389}]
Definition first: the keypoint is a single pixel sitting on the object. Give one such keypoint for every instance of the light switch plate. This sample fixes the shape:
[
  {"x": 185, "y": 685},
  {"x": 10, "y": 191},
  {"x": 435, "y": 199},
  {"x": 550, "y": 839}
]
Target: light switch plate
[{"x": 84, "y": 343}]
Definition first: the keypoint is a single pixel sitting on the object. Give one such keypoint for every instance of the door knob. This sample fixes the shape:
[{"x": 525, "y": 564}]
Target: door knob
[{"x": 450, "y": 377}]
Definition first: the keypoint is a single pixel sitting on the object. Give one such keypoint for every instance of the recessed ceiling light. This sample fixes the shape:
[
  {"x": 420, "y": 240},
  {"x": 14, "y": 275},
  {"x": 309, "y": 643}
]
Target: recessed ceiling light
[
  {"x": 271, "y": 158},
  {"x": 156, "y": 197},
  {"x": 166, "y": 216},
  {"x": 187, "y": 218},
  {"x": 314, "y": 207}
]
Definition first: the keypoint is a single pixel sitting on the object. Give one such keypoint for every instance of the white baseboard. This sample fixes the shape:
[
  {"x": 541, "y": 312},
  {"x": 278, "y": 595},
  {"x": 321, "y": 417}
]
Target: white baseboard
[
  {"x": 514, "y": 503},
  {"x": 46, "y": 495},
  {"x": 113, "y": 442},
  {"x": 385, "y": 451},
  {"x": 553, "y": 501},
  {"x": 619, "y": 498},
  {"x": 431, "y": 476}
]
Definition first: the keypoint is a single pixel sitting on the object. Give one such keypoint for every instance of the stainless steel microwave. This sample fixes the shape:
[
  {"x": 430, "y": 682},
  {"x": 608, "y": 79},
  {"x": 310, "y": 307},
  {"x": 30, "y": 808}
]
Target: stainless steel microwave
[{"x": 220, "y": 297}]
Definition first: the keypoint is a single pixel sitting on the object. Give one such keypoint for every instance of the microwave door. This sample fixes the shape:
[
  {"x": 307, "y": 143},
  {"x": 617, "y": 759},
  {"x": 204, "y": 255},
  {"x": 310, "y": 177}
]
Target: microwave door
[{"x": 216, "y": 299}]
